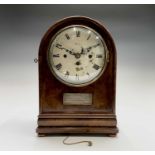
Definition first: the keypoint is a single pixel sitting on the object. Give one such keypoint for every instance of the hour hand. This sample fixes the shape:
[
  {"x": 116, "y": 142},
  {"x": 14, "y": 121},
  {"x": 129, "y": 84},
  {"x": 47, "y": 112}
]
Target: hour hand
[
  {"x": 86, "y": 50},
  {"x": 90, "y": 47}
]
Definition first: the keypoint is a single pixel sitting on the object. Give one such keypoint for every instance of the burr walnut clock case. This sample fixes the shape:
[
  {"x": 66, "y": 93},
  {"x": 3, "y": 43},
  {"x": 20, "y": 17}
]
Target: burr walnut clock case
[{"x": 77, "y": 78}]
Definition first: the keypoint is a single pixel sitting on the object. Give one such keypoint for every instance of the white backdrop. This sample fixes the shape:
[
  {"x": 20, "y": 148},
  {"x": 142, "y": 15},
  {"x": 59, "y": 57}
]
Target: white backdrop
[{"x": 21, "y": 29}]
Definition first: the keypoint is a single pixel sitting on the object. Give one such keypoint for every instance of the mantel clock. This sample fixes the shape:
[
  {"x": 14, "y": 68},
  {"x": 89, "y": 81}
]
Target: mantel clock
[{"x": 77, "y": 79}]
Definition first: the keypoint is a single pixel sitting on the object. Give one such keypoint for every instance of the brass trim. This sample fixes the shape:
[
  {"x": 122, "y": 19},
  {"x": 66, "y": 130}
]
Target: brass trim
[{"x": 105, "y": 61}]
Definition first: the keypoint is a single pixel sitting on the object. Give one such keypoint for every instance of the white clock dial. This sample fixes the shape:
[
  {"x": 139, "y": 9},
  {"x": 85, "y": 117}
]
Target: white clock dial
[{"x": 77, "y": 55}]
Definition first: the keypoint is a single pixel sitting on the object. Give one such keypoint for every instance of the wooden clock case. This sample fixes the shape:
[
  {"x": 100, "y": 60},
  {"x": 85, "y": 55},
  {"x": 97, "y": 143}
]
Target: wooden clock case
[{"x": 57, "y": 118}]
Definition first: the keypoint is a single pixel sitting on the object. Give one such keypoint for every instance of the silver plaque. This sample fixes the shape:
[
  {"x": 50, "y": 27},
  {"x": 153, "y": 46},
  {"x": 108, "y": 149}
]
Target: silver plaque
[{"x": 77, "y": 98}]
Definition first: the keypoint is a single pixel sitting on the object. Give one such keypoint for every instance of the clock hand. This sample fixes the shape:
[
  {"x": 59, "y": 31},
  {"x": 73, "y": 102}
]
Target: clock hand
[
  {"x": 77, "y": 55},
  {"x": 82, "y": 51},
  {"x": 89, "y": 48},
  {"x": 86, "y": 50},
  {"x": 67, "y": 50}
]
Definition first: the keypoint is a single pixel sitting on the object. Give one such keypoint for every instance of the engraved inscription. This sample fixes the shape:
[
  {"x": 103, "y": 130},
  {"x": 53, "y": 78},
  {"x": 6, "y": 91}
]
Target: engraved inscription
[{"x": 77, "y": 99}]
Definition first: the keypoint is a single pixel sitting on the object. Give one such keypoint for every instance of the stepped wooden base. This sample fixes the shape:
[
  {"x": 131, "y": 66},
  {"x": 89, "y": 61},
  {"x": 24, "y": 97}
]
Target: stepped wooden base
[
  {"x": 107, "y": 131},
  {"x": 97, "y": 125}
]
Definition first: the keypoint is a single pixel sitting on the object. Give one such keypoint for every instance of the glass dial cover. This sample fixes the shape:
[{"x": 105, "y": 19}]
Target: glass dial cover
[{"x": 77, "y": 55}]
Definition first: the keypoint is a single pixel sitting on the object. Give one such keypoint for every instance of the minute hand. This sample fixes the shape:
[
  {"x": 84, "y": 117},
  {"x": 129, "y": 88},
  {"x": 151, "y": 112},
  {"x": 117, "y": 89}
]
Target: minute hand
[{"x": 68, "y": 51}]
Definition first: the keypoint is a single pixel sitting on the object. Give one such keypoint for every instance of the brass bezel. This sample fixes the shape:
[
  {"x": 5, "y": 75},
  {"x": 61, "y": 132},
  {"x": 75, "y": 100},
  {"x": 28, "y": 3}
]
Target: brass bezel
[{"x": 94, "y": 79}]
